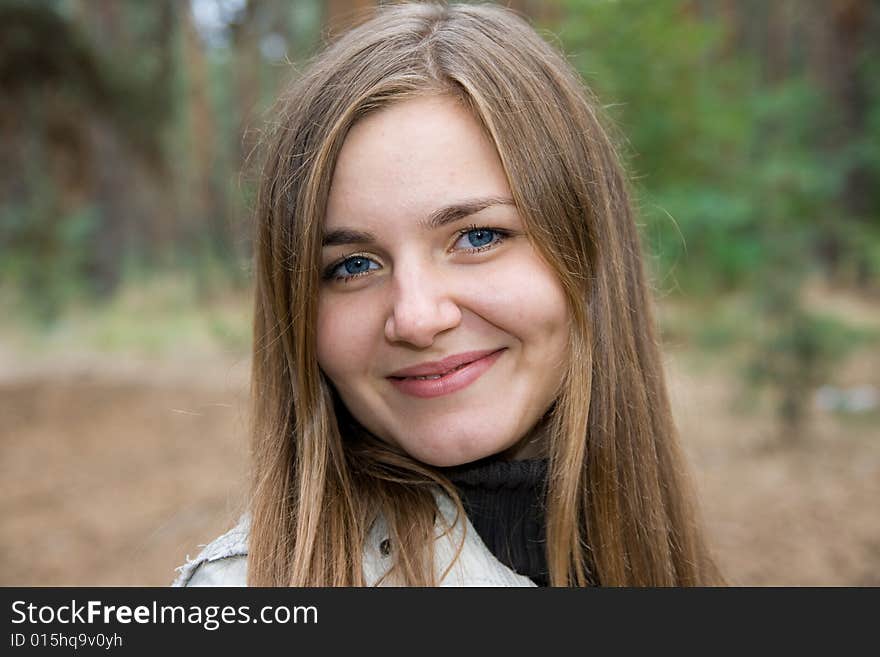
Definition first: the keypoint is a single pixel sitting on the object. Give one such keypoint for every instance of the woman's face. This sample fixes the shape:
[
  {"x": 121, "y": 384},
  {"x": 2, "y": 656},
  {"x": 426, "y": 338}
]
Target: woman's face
[{"x": 439, "y": 325}]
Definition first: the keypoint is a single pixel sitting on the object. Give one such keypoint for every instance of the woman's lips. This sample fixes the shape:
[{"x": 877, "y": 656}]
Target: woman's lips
[{"x": 448, "y": 383}]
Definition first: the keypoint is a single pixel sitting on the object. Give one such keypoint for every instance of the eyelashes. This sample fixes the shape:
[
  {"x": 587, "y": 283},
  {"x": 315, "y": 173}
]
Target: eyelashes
[{"x": 355, "y": 265}]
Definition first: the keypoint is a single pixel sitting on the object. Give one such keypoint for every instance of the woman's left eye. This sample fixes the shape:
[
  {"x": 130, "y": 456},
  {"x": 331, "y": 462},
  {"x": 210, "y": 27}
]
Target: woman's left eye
[{"x": 476, "y": 239}]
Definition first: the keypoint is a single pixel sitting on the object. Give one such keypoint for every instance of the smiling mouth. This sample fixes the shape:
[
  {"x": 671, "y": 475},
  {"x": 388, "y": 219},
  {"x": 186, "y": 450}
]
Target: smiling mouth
[
  {"x": 432, "y": 377},
  {"x": 426, "y": 386}
]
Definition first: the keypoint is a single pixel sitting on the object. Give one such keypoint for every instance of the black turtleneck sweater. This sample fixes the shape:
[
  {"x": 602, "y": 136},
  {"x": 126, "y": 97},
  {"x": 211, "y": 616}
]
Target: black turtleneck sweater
[{"x": 504, "y": 501}]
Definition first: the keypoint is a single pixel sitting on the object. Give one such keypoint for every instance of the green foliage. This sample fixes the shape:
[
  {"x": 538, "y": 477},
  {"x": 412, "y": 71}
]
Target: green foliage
[
  {"x": 729, "y": 169},
  {"x": 46, "y": 274},
  {"x": 45, "y": 258},
  {"x": 796, "y": 357},
  {"x": 161, "y": 315},
  {"x": 686, "y": 121}
]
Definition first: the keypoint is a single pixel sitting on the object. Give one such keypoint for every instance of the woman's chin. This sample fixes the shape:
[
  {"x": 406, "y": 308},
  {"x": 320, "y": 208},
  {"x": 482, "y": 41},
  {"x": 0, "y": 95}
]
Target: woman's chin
[{"x": 452, "y": 454}]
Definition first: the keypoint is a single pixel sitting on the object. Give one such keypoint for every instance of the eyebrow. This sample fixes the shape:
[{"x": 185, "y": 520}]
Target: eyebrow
[{"x": 439, "y": 217}]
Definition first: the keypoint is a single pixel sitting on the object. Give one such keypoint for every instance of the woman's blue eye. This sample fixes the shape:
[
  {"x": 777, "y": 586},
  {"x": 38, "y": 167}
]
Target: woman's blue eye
[
  {"x": 353, "y": 266},
  {"x": 476, "y": 238},
  {"x": 480, "y": 237},
  {"x": 356, "y": 265}
]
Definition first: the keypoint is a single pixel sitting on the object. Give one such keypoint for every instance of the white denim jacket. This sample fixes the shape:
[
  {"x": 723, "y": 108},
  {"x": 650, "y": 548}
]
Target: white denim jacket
[{"x": 223, "y": 562}]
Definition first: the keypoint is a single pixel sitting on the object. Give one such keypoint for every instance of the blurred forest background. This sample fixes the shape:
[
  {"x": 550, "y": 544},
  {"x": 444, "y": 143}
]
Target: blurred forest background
[{"x": 129, "y": 136}]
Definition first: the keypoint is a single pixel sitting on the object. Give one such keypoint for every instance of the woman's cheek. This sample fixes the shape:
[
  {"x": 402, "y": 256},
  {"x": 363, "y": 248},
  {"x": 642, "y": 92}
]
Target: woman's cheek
[
  {"x": 347, "y": 327},
  {"x": 523, "y": 297}
]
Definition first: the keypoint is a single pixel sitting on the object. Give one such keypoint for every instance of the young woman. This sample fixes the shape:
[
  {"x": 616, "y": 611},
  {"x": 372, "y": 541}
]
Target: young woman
[{"x": 456, "y": 375}]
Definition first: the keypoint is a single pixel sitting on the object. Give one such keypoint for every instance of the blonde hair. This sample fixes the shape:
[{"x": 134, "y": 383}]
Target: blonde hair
[{"x": 619, "y": 506}]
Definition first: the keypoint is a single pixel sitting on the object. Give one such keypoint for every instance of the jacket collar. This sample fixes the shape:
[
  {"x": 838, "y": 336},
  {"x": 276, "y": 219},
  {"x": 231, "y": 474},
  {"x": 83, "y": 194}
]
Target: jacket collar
[
  {"x": 223, "y": 562},
  {"x": 475, "y": 565}
]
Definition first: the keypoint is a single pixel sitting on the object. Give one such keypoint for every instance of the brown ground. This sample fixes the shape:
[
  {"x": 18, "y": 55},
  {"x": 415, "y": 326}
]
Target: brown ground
[
  {"x": 113, "y": 472},
  {"x": 802, "y": 513},
  {"x": 111, "y": 479}
]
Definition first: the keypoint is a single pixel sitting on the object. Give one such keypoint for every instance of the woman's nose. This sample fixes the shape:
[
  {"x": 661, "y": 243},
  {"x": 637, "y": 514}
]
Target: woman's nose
[{"x": 422, "y": 307}]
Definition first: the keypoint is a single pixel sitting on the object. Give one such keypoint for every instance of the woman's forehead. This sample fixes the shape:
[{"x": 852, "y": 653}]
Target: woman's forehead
[{"x": 414, "y": 157}]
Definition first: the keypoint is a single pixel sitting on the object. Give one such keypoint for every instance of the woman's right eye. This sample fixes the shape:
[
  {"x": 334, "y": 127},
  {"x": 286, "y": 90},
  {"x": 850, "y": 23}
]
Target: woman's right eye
[{"x": 351, "y": 267}]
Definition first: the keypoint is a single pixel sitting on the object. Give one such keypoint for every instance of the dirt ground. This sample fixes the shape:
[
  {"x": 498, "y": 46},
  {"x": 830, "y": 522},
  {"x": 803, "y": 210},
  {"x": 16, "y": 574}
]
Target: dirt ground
[
  {"x": 112, "y": 474},
  {"x": 113, "y": 471},
  {"x": 803, "y": 513}
]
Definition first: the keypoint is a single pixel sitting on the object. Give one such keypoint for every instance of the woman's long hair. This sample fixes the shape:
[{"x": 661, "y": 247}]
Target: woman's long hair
[{"x": 619, "y": 506}]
